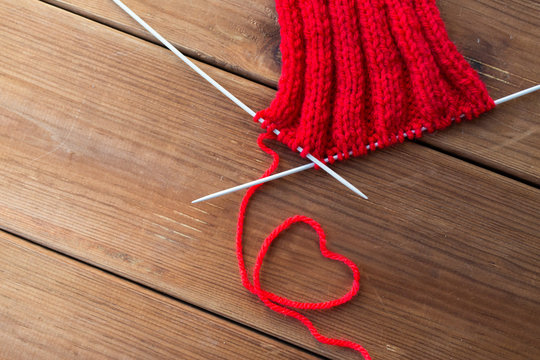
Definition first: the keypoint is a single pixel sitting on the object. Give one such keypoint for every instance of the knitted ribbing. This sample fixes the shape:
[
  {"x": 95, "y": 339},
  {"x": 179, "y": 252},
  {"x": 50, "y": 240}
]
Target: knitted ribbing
[
  {"x": 357, "y": 73},
  {"x": 360, "y": 72}
]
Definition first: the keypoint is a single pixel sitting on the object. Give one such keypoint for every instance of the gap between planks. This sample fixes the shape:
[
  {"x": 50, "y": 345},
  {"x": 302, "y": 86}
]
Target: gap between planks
[
  {"x": 140, "y": 285},
  {"x": 492, "y": 169},
  {"x": 124, "y": 272},
  {"x": 234, "y": 70},
  {"x": 144, "y": 35}
]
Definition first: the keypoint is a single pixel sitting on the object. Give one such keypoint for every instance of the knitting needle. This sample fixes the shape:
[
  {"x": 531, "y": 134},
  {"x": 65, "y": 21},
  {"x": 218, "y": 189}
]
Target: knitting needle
[
  {"x": 227, "y": 93},
  {"x": 311, "y": 165},
  {"x": 518, "y": 94}
]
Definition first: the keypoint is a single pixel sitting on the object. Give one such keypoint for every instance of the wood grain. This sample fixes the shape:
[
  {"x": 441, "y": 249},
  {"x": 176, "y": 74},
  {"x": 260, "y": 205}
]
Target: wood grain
[
  {"x": 105, "y": 139},
  {"x": 52, "y": 307},
  {"x": 241, "y": 36},
  {"x": 500, "y": 41}
]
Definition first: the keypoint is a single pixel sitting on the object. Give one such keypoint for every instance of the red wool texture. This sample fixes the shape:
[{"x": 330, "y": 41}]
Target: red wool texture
[
  {"x": 360, "y": 72},
  {"x": 358, "y": 75}
]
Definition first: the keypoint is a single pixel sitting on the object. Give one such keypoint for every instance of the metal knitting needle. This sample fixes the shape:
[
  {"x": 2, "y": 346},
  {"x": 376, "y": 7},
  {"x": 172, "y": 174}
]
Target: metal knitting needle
[
  {"x": 518, "y": 94},
  {"x": 227, "y": 93},
  {"x": 311, "y": 165}
]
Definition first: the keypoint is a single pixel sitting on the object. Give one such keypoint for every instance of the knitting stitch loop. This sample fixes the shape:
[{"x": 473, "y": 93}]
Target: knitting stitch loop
[
  {"x": 281, "y": 304},
  {"x": 356, "y": 73}
]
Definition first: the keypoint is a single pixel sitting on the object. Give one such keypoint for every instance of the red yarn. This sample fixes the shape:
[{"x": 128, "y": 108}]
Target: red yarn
[
  {"x": 280, "y": 304},
  {"x": 356, "y": 73}
]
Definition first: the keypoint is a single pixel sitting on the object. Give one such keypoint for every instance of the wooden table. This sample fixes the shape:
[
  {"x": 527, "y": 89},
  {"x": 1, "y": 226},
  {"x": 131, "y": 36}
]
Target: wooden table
[{"x": 105, "y": 138}]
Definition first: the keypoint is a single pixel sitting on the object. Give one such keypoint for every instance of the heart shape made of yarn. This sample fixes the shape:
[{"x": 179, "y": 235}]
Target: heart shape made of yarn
[
  {"x": 281, "y": 304},
  {"x": 262, "y": 294}
]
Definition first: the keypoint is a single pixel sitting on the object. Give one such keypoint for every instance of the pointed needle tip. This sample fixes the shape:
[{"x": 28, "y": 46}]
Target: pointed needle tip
[
  {"x": 362, "y": 195},
  {"x": 356, "y": 191}
]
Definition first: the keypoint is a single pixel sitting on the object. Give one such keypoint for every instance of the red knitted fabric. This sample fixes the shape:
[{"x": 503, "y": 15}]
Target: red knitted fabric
[{"x": 360, "y": 72}]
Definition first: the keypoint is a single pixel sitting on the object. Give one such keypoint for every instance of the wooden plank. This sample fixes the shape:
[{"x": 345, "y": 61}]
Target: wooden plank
[
  {"x": 52, "y": 307},
  {"x": 106, "y": 138},
  {"x": 244, "y": 35},
  {"x": 500, "y": 41},
  {"x": 239, "y": 35}
]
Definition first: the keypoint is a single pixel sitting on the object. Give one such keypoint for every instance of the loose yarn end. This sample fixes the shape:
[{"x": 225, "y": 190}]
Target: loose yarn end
[{"x": 280, "y": 304}]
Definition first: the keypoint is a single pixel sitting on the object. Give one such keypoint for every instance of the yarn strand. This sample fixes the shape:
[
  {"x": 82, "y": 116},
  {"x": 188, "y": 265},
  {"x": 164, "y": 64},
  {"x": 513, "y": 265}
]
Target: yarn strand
[{"x": 280, "y": 304}]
